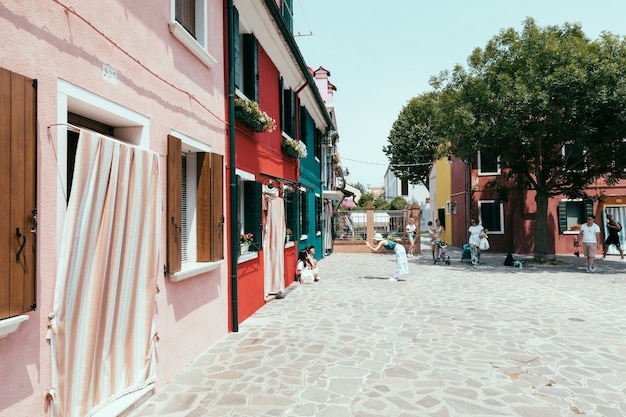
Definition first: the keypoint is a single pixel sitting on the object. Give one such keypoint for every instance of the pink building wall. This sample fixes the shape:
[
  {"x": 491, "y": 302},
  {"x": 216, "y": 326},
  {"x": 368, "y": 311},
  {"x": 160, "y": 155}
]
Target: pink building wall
[{"x": 157, "y": 78}]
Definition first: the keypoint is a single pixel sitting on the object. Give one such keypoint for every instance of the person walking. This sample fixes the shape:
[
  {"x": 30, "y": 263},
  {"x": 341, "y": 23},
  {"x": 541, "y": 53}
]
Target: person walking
[
  {"x": 402, "y": 263},
  {"x": 613, "y": 227},
  {"x": 435, "y": 237},
  {"x": 476, "y": 232},
  {"x": 590, "y": 236},
  {"x": 411, "y": 233}
]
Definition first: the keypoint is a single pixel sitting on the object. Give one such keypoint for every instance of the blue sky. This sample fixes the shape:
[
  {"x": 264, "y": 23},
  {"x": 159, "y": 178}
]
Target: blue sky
[{"x": 380, "y": 54}]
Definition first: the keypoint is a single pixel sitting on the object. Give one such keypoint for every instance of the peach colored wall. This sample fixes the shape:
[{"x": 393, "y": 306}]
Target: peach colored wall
[{"x": 157, "y": 77}]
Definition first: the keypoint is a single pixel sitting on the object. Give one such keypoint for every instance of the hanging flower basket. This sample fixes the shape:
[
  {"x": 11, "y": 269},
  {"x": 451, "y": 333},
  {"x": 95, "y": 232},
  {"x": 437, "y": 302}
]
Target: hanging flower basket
[{"x": 251, "y": 115}]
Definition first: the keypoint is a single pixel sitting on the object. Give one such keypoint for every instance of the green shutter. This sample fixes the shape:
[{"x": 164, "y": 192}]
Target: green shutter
[
  {"x": 562, "y": 216},
  {"x": 236, "y": 48},
  {"x": 250, "y": 67},
  {"x": 588, "y": 209},
  {"x": 253, "y": 212},
  {"x": 281, "y": 98}
]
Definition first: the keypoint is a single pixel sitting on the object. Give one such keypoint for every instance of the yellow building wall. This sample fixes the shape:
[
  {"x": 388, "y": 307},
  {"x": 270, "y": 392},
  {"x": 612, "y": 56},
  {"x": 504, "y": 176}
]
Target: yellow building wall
[{"x": 442, "y": 195}]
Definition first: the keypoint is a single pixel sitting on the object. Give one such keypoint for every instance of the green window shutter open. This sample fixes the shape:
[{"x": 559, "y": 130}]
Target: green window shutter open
[
  {"x": 236, "y": 48},
  {"x": 562, "y": 216},
  {"x": 251, "y": 67},
  {"x": 253, "y": 222}
]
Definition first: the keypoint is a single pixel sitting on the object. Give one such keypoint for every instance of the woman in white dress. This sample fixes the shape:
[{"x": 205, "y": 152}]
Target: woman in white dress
[{"x": 476, "y": 232}]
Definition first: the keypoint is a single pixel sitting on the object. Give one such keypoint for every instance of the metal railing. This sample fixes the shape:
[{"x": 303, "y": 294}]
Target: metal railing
[{"x": 352, "y": 224}]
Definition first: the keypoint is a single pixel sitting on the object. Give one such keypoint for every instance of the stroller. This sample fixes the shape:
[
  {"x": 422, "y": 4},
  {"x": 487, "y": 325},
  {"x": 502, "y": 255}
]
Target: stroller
[
  {"x": 443, "y": 252},
  {"x": 466, "y": 254}
]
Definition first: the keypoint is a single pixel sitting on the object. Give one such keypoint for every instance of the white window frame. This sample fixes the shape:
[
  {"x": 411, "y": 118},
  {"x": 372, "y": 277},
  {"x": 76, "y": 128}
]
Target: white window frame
[
  {"x": 198, "y": 45},
  {"x": 481, "y": 172},
  {"x": 129, "y": 126},
  {"x": 579, "y": 201},
  {"x": 480, "y": 220},
  {"x": 190, "y": 266}
]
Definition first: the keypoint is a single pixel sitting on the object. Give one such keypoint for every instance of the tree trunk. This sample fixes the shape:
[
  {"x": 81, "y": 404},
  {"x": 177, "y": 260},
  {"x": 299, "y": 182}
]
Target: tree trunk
[{"x": 541, "y": 228}]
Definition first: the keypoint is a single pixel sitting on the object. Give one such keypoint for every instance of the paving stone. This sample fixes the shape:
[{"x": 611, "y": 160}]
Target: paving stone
[{"x": 449, "y": 341}]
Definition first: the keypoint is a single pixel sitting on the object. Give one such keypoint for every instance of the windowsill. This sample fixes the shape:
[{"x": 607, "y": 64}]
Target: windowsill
[
  {"x": 193, "y": 45},
  {"x": 8, "y": 326},
  {"x": 304, "y": 237},
  {"x": 289, "y": 244},
  {"x": 248, "y": 256},
  {"x": 192, "y": 269},
  {"x": 571, "y": 232}
]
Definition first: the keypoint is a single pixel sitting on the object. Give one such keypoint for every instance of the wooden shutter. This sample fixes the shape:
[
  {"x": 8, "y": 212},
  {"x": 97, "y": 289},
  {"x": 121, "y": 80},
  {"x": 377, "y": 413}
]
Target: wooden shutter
[
  {"x": 210, "y": 207},
  {"x": 588, "y": 209},
  {"x": 174, "y": 203},
  {"x": 236, "y": 48},
  {"x": 250, "y": 67},
  {"x": 281, "y": 99},
  {"x": 253, "y": 212},
  {"x": 562, "y": 216},
  {"x": 18, "y": 182},
  {"x": 289, "y": 104}
]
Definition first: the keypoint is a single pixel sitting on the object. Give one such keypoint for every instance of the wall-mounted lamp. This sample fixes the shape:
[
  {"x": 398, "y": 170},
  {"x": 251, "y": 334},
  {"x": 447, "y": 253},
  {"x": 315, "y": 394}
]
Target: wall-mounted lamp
[{"x": 449, "y": 158}]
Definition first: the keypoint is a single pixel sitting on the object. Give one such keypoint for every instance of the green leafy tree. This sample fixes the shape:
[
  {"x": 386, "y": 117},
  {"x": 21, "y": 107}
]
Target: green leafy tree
[
  {"x": 359, "y": 187},
  {"x": 381, "y": 203},
  {"x": 413, "y": 139},
  {"x": 398, "y": 203},
  {"x": 365, "y": 199},
  {"x": 551, "y": 104}
]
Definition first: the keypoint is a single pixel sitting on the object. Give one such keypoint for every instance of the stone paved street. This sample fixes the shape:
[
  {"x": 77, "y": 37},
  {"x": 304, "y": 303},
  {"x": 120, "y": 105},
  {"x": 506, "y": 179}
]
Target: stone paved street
[{"x": 448, "y": 341}]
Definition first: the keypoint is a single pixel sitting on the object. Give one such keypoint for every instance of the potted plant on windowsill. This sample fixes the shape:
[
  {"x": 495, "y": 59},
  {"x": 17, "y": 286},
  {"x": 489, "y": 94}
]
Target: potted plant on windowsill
[
  {"x": 288, "y": 235},
  {"x": 293, "y": 148},
  {"x": 251, "y": 115},
  {"x": 245, "y": 240}
]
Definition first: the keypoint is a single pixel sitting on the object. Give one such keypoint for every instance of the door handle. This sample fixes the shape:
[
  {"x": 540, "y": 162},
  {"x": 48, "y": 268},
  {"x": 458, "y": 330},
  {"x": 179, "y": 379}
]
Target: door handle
[{"x": 19, "y": 235}]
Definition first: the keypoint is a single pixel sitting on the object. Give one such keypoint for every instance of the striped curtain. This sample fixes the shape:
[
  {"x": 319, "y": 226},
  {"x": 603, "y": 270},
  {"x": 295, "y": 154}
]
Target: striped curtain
[
  {"x": 619, "y": 214},
  {"x": 102, "y": 327},
  {"x": 274, "y": 241}
]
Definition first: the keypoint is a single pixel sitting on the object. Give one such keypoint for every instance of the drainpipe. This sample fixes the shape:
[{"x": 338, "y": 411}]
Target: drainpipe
[{"x": 232, "y": 173}]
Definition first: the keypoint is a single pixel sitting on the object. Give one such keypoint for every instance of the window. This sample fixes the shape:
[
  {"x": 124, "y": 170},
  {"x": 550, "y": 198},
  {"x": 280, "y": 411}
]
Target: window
[
  {"x": 286, "y": 9},
  {"x": 404, "y": 185},
  {"x": 573, "y": 213},
  {"x": 288, "y": 112},
  {"x": 195, "y": 215},
  {"x": 318, "y": 145},
  {"x": 250, "y": 211},
  {"x": 304, "y": 213},
  {"x": 491, "y": 216},
  {"x": 246, "y": 57},
  {"x": 189, "y": 24},
  {"x": 291, "y": 210},
  {"x": 18, "y": 141},
  {"x": 319, "y": 217},
  {"x": 488, "y": 164},
  {"x": 574, "y": 156}
]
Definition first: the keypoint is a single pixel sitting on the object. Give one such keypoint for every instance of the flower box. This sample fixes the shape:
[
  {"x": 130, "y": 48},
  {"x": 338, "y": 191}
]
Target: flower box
[
  {"x": 289, "y": 151},
  {"x": 251, "y": 115}
]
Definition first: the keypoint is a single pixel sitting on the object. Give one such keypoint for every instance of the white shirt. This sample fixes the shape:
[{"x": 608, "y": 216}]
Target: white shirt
[
  {"x": 589, "y": 233},
  {"x": 475, "y": 232}
]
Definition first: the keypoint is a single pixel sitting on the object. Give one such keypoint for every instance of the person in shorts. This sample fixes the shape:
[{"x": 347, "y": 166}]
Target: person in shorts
[
  {"x": 613, "y": 228},
  {"x": 590, "y": 237}
]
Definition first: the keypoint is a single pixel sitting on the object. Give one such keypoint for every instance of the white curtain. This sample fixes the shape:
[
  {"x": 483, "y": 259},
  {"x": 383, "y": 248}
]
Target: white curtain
[
  {"x": 102, "y": 327},
  {"x": 274, "y": 241},
  {"x": 328, "y": 229},
  {"x": 619, "y": 214}
]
